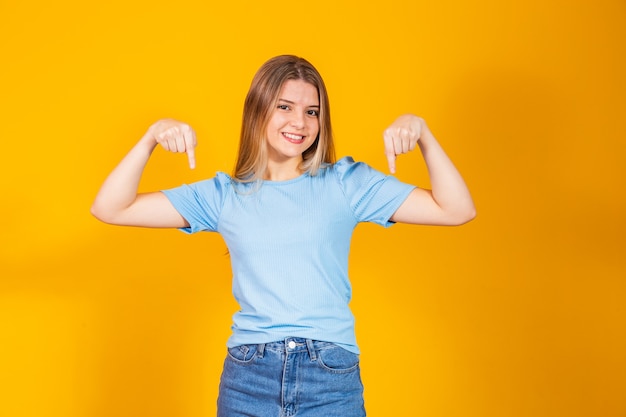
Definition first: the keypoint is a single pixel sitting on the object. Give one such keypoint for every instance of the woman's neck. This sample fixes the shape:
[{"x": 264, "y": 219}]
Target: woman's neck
[{"x": 283, "y": 171}]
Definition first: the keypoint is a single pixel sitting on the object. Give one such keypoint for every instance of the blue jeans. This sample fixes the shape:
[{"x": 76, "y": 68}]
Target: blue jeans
[{"x": 294, "y": 377}]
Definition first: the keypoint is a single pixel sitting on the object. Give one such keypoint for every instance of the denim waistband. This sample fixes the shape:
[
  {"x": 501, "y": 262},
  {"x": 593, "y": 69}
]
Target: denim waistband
[{"x": 294, "y": 345}]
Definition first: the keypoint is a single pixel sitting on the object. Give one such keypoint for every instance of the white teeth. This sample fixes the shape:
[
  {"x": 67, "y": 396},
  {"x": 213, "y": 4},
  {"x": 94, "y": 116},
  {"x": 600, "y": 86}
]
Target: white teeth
[{"x": 292, "y": 136}]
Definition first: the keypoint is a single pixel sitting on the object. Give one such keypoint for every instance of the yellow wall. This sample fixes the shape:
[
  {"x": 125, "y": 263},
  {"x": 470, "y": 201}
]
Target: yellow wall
[{"x": 520, "y": 313}]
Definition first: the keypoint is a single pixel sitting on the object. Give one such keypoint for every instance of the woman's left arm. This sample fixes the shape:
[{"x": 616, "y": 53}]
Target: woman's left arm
[{"x": 449, "y": 202}]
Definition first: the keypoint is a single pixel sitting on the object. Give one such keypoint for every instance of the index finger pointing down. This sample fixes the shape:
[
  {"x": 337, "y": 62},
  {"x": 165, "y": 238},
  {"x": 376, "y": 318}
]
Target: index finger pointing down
[{"x": 190, "y": 145}]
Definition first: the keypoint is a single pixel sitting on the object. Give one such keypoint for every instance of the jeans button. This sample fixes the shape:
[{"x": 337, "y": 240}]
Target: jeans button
[{"x": 291, "y": 344}]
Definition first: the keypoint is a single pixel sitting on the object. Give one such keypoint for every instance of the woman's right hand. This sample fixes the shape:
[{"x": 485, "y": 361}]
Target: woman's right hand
[{"x": 174, "y": 136}]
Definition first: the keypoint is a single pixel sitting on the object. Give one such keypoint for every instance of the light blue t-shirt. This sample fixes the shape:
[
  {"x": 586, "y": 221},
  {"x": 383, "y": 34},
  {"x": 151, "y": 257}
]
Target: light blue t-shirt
[{"x": 289, "y": 242}]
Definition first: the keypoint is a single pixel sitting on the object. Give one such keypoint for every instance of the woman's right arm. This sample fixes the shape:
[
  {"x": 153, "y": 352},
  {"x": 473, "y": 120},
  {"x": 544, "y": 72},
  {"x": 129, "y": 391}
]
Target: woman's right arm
[{"x": 118, "y": 201}]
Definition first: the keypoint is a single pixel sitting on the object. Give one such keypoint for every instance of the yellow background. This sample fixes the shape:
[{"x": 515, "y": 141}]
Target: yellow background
[{"x": 519, "y": 313}]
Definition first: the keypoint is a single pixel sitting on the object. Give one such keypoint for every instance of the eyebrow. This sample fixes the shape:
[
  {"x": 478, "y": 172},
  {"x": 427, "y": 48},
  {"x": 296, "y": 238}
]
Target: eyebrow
[{"x": 291, "y": 102}]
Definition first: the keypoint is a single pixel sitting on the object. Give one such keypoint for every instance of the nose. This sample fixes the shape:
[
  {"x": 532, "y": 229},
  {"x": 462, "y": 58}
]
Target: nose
[{"x": 297, "y": 120}]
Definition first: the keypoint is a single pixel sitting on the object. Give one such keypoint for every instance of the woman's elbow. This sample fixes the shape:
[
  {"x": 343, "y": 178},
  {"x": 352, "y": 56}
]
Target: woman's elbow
[
  {"x": 463, "y": 216},
  {"x": 97, "y": 213},
  {"x": 102, "y": 214},
  {"x": 470, "y": 215}
]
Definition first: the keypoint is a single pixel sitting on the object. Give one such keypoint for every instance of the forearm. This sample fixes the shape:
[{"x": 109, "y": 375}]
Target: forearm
[
  {"x": 449, "y": 190},
  {"x": 119, "y": 190}
]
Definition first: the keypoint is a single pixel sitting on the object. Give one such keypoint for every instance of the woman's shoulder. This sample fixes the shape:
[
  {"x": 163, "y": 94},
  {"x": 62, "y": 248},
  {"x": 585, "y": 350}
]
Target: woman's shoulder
[
  {"x": 345, "y": 161},
  {"x": 220, "y": 180},
  {"x": 342, "y": 164},
  {"x": 347, "y": 166}
]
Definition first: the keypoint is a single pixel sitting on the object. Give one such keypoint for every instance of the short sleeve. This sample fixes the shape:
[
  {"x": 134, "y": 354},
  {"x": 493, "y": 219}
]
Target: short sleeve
[
  {"x": 372, "y": 195},
  {"x": 200, "y": 203}
]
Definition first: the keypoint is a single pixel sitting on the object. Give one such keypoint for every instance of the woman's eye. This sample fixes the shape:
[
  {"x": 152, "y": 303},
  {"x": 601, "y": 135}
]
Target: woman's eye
[
  {"x": 283, "y": 107},
  {"x": 313, "y": 113}
]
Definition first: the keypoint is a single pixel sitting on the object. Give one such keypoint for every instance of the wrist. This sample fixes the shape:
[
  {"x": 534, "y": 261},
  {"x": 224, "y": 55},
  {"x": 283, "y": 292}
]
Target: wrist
[
  {"x": 147, "y": 142},
  {"x": 427, "y": 140}
]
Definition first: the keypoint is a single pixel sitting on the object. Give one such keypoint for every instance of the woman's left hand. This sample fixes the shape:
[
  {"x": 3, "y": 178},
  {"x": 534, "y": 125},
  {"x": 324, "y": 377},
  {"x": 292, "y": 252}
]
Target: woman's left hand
[{"x": 402, "y": 137}]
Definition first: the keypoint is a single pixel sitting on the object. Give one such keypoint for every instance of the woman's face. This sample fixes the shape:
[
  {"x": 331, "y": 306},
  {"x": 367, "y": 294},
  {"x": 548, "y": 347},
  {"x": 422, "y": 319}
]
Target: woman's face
[{"x": 294, "y": 122}]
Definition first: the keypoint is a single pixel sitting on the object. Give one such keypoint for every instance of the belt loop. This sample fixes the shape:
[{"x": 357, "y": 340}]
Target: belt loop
[
  {"x": 260, "y": 349},
  {"x": 311, "y": 348}
]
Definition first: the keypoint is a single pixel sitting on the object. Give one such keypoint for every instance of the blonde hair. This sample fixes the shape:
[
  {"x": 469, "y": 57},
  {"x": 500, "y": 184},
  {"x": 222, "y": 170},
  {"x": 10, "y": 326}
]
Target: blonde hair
[{"x": 258, "y": 107}]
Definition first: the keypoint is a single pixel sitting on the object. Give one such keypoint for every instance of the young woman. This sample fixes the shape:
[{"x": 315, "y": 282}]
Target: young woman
[{"x": 287, "y": 215}]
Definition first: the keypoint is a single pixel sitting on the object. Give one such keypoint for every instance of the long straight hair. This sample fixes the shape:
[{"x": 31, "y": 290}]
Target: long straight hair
[{"x": 260, "y": 102}]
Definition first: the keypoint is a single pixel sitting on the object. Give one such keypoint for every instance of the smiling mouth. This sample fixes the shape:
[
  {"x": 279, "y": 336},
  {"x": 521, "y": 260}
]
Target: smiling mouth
[{"x": 293, "y": 138}]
